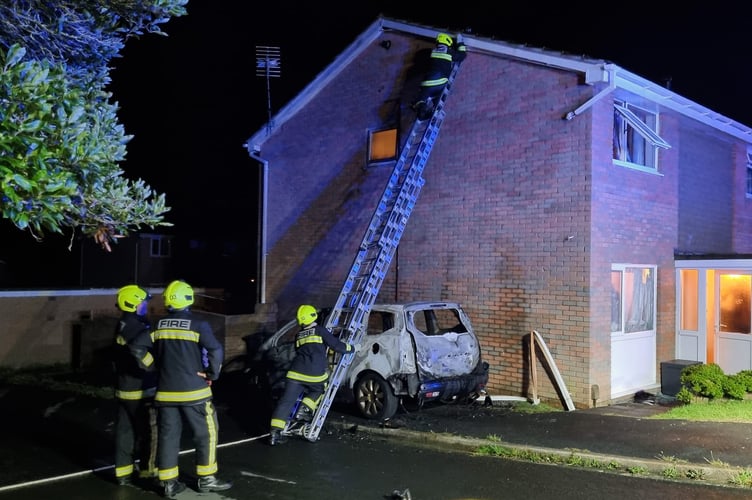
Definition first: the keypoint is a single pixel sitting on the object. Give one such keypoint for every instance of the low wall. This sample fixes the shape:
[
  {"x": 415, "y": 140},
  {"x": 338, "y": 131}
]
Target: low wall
[{"x": 75, "y": 327}]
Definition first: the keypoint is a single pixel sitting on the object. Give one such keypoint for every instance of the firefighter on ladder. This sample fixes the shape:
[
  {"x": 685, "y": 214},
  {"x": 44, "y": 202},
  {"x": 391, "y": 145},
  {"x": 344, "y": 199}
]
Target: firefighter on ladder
[
  {"x": 308, "y": 374},
  {"x": 444, "y": 55}
]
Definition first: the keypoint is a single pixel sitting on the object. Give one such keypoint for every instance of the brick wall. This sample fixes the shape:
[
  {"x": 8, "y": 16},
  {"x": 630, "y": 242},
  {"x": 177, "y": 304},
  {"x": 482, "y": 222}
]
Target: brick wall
[
  {"x": 492, "y": 227},
  {"x": 706, "y": 199}
]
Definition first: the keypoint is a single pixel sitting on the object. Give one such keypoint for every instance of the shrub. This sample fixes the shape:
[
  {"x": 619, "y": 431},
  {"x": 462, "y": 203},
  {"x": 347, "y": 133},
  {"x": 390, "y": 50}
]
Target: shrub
[
  {"x": 733, "y": 387},
  {"x": 745, "y": 378},
  {"x": 684, "y": 396},
  {"x": 706, "y": 380},
  {"x": 709, "y": 381}
]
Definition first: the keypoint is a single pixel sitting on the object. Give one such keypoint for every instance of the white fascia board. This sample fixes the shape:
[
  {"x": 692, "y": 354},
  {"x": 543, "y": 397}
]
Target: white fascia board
[
  {"x": 592, "y": 69},
  {"x": 722, "y": 264}
]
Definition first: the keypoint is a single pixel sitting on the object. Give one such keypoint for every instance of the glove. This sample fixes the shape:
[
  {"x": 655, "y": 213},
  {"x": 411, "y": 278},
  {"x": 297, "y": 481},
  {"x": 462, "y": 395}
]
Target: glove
[{"x": 356, "y": 347}]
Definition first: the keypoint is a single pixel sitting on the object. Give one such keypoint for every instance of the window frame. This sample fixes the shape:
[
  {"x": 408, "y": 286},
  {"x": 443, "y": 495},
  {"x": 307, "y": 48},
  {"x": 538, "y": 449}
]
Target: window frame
[
  {"x": 160, "y": 246},
  {"x": 749, "y": 172},
  {"x": 628, "y": 125},
  {"x": 375, "y": 145},
  {"x": 624, "y": 309}
]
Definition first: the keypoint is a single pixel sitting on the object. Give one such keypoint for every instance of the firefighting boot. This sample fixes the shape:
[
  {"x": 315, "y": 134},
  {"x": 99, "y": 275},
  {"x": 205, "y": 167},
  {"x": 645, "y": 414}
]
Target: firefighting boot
[
  {"x": 172, "y": 488},
  {"x": 276, "y": 438},
  {"x": 124, "y": 481},
  {"x": 304, "y": 414},
  {"x": 212, "y": 483}
]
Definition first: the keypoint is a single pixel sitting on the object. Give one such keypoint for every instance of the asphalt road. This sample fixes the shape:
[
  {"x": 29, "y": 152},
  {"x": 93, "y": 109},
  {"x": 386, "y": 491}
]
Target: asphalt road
[{"x": 355, "y": 465}]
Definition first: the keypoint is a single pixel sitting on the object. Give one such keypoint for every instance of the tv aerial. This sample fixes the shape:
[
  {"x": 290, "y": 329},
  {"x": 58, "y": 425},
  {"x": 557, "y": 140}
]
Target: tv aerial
[{"x": 268, "y": 65}]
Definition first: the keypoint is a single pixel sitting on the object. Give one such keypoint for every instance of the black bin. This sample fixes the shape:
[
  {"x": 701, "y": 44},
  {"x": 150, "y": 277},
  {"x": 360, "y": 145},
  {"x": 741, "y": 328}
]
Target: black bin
[{"x": 671, "y": 373}]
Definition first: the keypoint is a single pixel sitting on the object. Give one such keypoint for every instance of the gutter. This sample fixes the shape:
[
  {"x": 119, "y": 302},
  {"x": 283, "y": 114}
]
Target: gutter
[
  {"x": 603, "y": 93},
  {"x": 262, "y": 223}
]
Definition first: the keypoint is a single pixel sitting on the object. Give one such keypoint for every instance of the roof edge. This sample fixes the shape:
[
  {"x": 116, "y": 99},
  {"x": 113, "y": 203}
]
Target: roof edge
[{"x": 594, "y": 71}]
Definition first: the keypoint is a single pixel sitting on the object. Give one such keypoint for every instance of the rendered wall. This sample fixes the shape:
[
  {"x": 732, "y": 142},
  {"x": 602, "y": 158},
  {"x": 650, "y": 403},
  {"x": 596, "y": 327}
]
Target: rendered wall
[{"x": 75, "y": 327}]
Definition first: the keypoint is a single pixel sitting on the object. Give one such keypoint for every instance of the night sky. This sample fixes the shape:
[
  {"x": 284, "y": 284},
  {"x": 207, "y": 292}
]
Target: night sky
[{"x": 191, "y": 99}]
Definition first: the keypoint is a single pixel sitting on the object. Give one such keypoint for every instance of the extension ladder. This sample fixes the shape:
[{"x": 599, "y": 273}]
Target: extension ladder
[{"x": 379, "y": 244}]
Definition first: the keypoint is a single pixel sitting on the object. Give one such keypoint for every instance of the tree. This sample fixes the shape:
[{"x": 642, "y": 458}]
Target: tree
[{"x": 60, "y": 140}]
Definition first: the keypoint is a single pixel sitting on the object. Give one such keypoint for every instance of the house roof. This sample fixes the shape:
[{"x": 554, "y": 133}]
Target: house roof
[{"x": 593, "y": 70}]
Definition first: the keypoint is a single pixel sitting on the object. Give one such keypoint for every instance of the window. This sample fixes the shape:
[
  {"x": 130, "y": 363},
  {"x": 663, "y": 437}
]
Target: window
[
  {"x": 690, "y": 301},
  {"x": 438, "y": 321},
  {"x": 636, "y": 140},
  {"x": 632, "y": 298},
  {"x": 379, "y": 322},
  {"x": 160, "y": 246},
  {"x": 382, "y": 145},
  {"x": 734, "y": 308},
  {"x": 749, "y": 173}
]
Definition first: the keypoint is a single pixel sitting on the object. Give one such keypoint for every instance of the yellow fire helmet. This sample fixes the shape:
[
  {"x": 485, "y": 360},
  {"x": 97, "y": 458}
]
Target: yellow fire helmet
[
  {"x": 445, "y": 39},
  {"x": 130, "y": 296},
  {"x": 178, "y": 295},
  {"x": 307, "y": 315}
]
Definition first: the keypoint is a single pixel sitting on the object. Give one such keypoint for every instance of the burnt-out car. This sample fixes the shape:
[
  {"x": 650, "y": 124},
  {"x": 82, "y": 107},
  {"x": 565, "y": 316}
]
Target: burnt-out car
[{"x": 414, "y": 352}]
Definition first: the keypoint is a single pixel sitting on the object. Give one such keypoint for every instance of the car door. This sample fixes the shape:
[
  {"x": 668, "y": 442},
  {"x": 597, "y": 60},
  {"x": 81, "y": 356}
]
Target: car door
[
  {"x": 444, "y": 343},
  {"x": 386, "y": 348}
]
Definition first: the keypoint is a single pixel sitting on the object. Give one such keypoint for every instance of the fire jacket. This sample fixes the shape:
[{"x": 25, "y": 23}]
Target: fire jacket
[
  {"x": 311, "y": 363},
  {"x": 184, "y": 345},
  {"x": 440, "y": 67},
  {"x": 132, "y": 382}
]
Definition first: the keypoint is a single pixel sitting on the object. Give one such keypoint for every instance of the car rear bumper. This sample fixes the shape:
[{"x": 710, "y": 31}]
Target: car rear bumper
[{"x": 456, "y": 387}]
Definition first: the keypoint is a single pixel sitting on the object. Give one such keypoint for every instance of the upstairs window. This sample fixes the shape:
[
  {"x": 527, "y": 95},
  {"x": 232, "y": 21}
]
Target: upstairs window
[
  {"x": 636, "y": 139},
  {"x": 382, "y": 145},
  {"x": 160, "y": 246},
  {"x": 749, "y": 173}
]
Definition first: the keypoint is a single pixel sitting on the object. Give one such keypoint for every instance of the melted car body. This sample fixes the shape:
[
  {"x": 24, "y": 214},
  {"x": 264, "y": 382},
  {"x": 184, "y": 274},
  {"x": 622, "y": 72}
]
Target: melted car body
[{"x": 413, "y": 352}]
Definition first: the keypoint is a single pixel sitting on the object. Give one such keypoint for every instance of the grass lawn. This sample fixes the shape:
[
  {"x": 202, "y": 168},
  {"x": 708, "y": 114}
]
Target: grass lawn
[{"x": 717, "y": 410}]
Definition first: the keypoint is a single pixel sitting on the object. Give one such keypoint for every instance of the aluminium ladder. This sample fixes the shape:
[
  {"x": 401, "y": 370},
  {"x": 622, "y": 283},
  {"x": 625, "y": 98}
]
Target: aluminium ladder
[{"x": 378, "y": 247}]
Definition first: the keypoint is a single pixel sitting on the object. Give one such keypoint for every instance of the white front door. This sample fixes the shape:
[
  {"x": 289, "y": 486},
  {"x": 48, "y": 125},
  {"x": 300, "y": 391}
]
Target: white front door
[{"x": 633, "y": 332}]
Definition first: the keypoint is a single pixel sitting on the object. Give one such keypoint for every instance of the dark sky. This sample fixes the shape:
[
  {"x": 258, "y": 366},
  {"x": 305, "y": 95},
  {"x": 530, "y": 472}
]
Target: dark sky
[{"x": 191, "y": 99}]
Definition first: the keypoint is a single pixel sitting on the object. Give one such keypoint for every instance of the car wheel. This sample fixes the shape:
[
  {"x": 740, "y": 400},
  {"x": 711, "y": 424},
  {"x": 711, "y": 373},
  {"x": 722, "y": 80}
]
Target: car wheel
[{"x": 375, "y": 398}]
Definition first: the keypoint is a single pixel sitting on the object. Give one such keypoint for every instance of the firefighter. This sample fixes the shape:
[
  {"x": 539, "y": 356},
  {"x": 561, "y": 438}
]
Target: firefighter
[
  {"x": 188, "y": 358},
  {"x": 444, "y": 55},
  {"x": 136, "y": 421},
  {"x": 308, "y": 374}
]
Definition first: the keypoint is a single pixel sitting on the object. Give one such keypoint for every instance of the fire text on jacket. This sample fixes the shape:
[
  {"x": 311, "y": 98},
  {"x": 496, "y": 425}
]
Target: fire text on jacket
[{"x": 174, "y": 323}]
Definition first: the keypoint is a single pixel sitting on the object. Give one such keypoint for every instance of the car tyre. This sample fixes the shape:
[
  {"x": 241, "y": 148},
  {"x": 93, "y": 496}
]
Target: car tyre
[{"x": 374, "y": 397}]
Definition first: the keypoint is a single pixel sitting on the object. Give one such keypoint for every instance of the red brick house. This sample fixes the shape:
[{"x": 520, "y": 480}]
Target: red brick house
[{"x": 563, "y": 195}]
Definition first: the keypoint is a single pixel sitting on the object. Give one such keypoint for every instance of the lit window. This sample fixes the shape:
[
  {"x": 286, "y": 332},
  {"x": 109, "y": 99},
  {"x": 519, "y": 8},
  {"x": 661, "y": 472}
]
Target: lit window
[
  {"x": 382, "y": 145},
  {"x": 636, "y": 140},
  {"x": 160, "y": 246},
  {"x": 734, "y": 309},
  {"x": 632, "y": 299}
]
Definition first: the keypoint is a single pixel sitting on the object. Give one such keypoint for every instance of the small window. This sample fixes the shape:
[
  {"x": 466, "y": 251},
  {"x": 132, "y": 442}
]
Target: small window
[
  {"x": 749, "y": 173},
  {"x": 379, "y": 322},
  {"x": 636, "y": 140},
  {"x": 160, "y": 246},
  {"x": 633, "y": 305},
  {"x": 382, "y": 145}
]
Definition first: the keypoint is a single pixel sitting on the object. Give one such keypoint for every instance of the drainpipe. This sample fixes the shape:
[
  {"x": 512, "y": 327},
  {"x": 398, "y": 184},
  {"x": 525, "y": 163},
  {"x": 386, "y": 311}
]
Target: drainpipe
[
  {"x": 263, "y": 190},
  {"x": 596, "y": 97}
]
